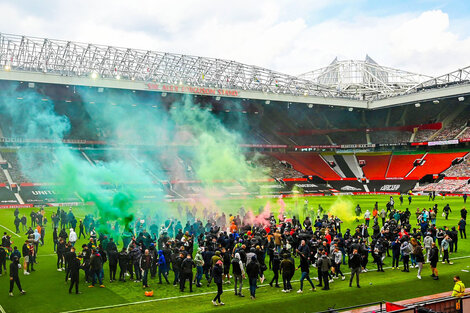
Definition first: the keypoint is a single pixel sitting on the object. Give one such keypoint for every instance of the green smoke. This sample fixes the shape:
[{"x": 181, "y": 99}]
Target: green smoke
[{"x": 151, "y": 144}]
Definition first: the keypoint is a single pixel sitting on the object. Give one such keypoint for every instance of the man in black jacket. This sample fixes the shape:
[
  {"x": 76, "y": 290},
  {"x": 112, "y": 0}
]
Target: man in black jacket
[
  {"x": 123, "y": 263},
  {"x": 74, "y": 270},
  {"x": 287, "y": 270},
  {"x": 355, "y": 266},
  {"x": 81, "y": 228},
  {"x": 276, "y": 264},
  {"x": 26, "y": 259},
  {"x": 14, "y": 278},
  {"x": 3, "y": 259},
  {"x": 113, "y": 257},
  {"x": 305, "y": 270},
  {"x": 324, "y": 265},
  {"x": 252, "y": 270},
  {"x": 96, "y": 266},
  {"x": 176, "y": 261},
  {"x": 187, "y": 272},
  {"x": 462, "y": 224},
  {"x": 145, "y": 264}
]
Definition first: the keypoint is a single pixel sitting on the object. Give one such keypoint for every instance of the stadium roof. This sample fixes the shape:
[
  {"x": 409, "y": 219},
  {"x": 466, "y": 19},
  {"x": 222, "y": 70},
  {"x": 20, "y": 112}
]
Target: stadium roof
[
  {"x": 365, "y": 79},
  {"x": 360, "y": 84}
]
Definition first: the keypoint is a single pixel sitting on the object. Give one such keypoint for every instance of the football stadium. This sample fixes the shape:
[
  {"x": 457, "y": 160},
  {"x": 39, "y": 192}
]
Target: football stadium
[{"x": 249, "y": 190}]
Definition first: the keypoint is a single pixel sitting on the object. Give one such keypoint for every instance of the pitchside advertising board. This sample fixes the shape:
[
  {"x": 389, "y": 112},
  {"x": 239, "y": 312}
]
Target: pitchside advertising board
[
  {"x": 375, "y": 186},
  {"x": 7, "y": 196},
  {"x": 41, "y": 195},
  {"x": 44, "y": 195},
  {"x": 401, "y": 186}
]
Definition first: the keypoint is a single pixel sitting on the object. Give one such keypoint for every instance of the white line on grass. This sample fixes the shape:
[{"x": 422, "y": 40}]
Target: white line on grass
[
  {"x": 2, "y": 310},
  {"x": 193, "y": 295},
  {"x": 10, "y": 230}
]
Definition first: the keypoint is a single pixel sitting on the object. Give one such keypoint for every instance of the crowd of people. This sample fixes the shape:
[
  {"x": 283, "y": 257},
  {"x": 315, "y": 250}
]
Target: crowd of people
[{"x": 234, "y": 248}]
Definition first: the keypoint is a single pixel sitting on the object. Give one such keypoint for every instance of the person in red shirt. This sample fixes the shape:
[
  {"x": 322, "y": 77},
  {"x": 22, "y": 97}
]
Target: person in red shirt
[{"x": 328, "y": 236}]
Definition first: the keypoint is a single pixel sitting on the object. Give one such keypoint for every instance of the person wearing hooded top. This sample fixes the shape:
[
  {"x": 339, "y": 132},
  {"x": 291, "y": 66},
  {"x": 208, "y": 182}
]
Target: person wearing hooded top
[
  {"x": 253, "y": 270},
  {"x": 96, "y": 266},
  {"x": 154, "y": 265},
  {"x": 187, "y": 272},
  {"x": 454, "y": 236},
  {"x": 262, "y": 265},
  {"x": 162, "y": 266},
  {"x": 250, "y": 255},
  {"x": 324, "y": 265},
  {"x": 135, "y": 255},
  {"x": 60, "y": 255},
  {"x": 216, "y": 257},
  {"x": 287, "y": 269},
  {"x": 72, "y": 237},
  {"x": 305, "y": 270},
  {"x": 123, "y": 258},
  {"x": 176, "y": 261},
  {"x": 217, "y": 272},
  {"x": 199, "y": 261},
  {"x": 207, "y": 258},
  {"x": 405, "y": 250},
  {"x": 276, "y": 264},
  {"x": 74, "y": 268},
  {"x": 14, "y": 277},
  {"x": 113, "y": 257},
  {"x": 238, "y": 274}
]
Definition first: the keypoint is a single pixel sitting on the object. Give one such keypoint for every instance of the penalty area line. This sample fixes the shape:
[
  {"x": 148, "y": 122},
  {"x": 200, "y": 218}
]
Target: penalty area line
[
  {"x": 10, "y": 231},
  {"x": 2, "y": 310},
  {"x": 192, "y": 295}
]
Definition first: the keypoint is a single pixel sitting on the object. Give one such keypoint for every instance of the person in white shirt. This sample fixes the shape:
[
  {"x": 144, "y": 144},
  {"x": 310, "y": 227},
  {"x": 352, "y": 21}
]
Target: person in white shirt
[{"x": 72, "y": 237}]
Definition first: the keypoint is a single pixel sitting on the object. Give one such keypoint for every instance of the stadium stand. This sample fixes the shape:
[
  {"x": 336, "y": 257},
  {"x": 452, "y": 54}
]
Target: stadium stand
[
  {"x": 353, "y": 165},
  {"x": 342, "y": 138},
  {"x": 375, "y": 165},
  {"x": 278, "y": 169},
  {"x": 459, "y": 170},
  {"x": 444, "y": 185},
  {"x": 423, "y": 135},
  {"x": 343, "y": 165},
  {"x": 464, "y": 189},
  {"x": 14, "y": 168},
  {"x": 465, "y": 133},
  {"x": 401, "y": 164},
  {"x": 317, "y": 139},
  {"x": 435, "y": 163},
  {"x": 451, "y": 130},
  {"x": 389, "y": 136},
  {"x": 308, "y": 164}
]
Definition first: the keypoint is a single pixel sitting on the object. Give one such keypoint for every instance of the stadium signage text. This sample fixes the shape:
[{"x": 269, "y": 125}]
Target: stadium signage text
[
  {"x": 390, "y": 188},
  {"x": 194, "y": 90}
]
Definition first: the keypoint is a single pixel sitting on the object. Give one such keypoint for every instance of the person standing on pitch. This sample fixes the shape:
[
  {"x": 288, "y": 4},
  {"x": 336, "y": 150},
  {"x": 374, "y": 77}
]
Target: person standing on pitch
[
  {"x": 276, "y": 264},
  {"x": 445, "y": 244},
  {"x": 14, "y": 278},
  {"x": 217, "y": 275},
  {"x": 238, "y": 272},
  {"x": 74, "y": 269},
  {"x": 462, "y": 224},
  {"x": 433, "y": 259},
  {"x": 253, "y": 271},
  {"x": 187, "y": 272},
  {"x": 305, "y": 270},
  {"x": 355, "y": 266}
]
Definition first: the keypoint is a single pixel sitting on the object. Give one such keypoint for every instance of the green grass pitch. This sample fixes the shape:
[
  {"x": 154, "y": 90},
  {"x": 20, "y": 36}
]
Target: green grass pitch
[{"x": 48, "y": 292}]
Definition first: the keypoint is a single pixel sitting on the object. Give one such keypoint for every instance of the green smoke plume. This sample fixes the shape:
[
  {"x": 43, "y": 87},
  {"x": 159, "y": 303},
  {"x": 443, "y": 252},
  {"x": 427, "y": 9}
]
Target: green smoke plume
[{"x": 148, "y": 141}]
